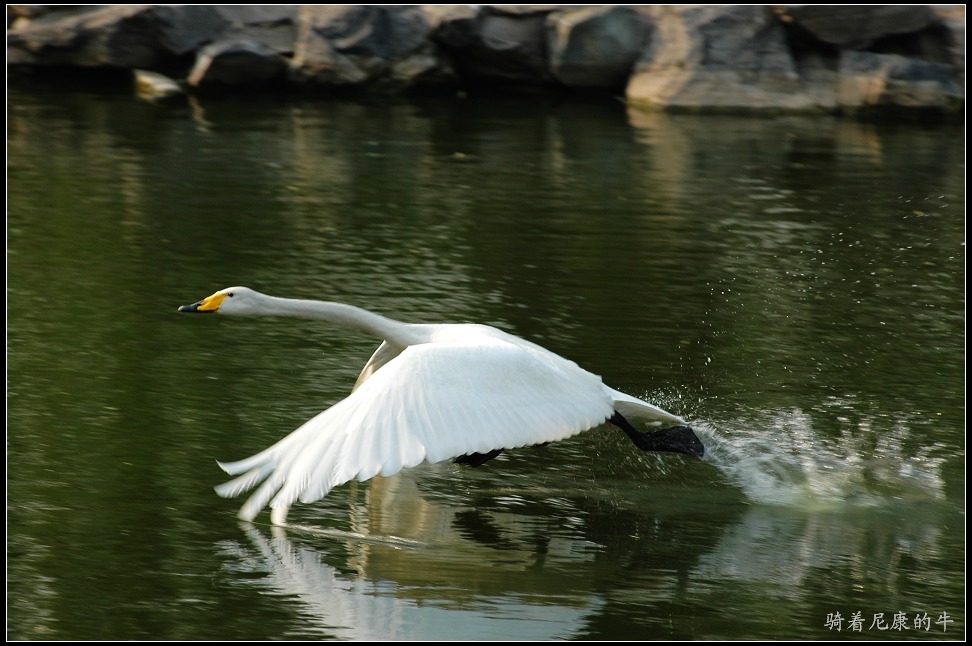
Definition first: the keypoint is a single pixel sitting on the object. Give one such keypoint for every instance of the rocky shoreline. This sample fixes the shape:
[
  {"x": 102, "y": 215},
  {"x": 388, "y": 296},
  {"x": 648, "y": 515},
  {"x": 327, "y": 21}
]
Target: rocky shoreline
[{"x": 863, "y": 60}]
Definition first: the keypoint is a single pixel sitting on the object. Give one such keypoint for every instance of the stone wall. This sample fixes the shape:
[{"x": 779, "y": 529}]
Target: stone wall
[{"x": 727, "y": 58}]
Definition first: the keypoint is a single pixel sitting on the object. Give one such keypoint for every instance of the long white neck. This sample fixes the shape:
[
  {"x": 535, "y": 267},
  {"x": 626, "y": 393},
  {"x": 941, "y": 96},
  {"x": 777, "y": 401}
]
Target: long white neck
[{"x": 395, "y": 332}]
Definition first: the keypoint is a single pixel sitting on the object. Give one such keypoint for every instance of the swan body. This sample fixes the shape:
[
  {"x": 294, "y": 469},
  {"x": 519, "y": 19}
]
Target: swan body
[{"x": 428, "y": 393}]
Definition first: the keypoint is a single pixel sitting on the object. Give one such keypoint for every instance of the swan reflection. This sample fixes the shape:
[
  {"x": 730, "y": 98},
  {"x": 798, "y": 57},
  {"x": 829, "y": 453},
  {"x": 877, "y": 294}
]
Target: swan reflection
[
  {"x": 417, "y": 557},
  {"x": 411, "y": 568}
]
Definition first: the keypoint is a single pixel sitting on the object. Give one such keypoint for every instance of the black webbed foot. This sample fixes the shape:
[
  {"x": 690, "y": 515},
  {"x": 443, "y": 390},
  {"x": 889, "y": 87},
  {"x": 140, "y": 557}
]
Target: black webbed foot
[
  {"x": 477, "y": 459},
  {"x": 676, "y": 439}
]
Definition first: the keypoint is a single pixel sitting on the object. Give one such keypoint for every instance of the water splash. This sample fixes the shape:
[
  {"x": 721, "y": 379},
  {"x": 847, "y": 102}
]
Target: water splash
[{"x": 779, "y": 458}]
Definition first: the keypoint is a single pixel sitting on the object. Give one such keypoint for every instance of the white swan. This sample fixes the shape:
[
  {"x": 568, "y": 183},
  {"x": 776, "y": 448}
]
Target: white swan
[{"x": 430, "y": 392}]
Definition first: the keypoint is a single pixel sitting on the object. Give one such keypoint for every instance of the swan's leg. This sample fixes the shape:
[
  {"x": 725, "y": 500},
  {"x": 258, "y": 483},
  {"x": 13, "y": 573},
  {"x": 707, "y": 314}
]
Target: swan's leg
[
  {"x": 677, "y": 439},
  {"x": 477, "y": 459}
]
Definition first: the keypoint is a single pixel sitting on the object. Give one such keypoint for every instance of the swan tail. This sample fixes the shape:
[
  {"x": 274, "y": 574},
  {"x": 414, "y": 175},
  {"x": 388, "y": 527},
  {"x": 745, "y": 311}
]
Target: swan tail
[{"x": 641, "y": 410}]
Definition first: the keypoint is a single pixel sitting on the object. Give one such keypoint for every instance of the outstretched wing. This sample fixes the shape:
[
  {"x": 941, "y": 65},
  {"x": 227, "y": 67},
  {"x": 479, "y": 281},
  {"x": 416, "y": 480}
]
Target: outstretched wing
[{"x": 431, "y": 402}]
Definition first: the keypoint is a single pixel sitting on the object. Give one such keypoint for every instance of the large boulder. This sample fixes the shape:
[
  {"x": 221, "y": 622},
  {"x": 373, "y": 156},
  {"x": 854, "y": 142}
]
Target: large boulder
[
  {"x": 354, "y": 45},
  {"x": 595, "y": 47},
  {"x": 123, "y": 36},
  {"x": 492, "y": 44},
  {"x": 952, "y": 38},
  {"x": 454, "y": 26},
  {"x": 859, "y": 26},
  {"x": 237, "y": 63},
  {"x": 869, "y": 82},
  {"x": 272, "y": 26},
  {"x": 252, "y": 50},
  {"x": 720, "y": 58}
]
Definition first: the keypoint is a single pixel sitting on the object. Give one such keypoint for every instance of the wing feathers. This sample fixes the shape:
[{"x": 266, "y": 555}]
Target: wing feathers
[{"x": 430, "y": 402}]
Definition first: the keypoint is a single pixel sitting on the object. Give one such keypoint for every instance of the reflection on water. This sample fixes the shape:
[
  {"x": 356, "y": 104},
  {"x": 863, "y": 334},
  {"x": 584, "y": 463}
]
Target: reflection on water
[
  {"x": 488, "y": 572},
  {"x": 793, "y": 286},
  {"x": 465, "y": 572},
  {"x": 491, "y": 564},
  {"x": 361, "y": 608}
]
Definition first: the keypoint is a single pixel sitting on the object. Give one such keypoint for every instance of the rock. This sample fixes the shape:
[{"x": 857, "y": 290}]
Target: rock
[
  {"x": 273, "y": 26},
  {"x": 742, "y": 59},
  {"x": 721, "y": 58},
  {"x": 255, "y": 15},
  {"x": 868, "y": 81},
  {"x": 859, "y": 26},
  {"x": 453, "y": 26},
  {"x": 124, "y": 36},
  {"x": 350, "y": 45},
  {"x": 952, "y": 38},
  {"x": 707, "y": 58},
  {"x": 24, "y": 13},
  {"x": 595, "y": 47},
  {"x": 153, "y": 86},
  {"x": 237, "y": 63},
  {"x": 498, "y": 44}
]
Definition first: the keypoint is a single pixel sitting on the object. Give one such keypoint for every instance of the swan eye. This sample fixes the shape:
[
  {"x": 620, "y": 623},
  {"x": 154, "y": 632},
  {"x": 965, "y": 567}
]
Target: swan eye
[{"x": 230, "y": 294}]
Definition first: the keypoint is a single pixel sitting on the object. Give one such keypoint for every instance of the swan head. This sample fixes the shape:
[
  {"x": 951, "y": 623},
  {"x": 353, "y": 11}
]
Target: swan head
[{"x": 238, "y": 301}]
